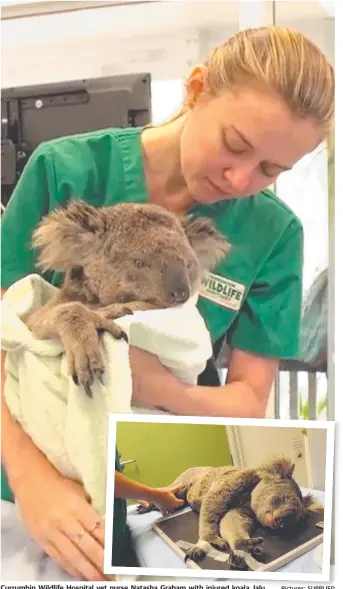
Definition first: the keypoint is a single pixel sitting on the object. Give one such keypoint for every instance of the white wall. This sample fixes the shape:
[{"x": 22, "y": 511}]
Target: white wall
[
  {"x": 166, "y": 38},
  {"x": 317, "y": 455},
  {"x": 257, "y": 444},
  {"x": 250, "y": 445}
]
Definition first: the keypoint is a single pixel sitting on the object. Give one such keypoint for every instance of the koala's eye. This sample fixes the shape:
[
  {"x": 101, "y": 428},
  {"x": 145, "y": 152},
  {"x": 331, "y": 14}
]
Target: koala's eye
[
  {"x": 139, "y": 263},
  {"x": 189, "y": 264},
  {"x": 276, "y": 500}
]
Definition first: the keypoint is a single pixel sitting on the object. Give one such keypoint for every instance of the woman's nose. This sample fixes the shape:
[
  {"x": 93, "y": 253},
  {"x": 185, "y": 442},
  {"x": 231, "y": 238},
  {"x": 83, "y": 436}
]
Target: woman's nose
[{"x": 239, "y": 178}]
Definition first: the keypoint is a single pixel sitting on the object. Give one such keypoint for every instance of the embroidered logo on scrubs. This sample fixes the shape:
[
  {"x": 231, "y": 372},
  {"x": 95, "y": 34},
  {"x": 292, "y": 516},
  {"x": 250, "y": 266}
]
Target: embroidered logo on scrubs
[{"x": 223, "y": 291}]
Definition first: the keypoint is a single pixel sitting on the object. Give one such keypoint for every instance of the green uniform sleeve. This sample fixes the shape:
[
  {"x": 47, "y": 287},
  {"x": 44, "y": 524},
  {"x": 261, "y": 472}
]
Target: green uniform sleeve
[
  {"x": 269, "y": 321},
  {"x": 28, "y": 204}
]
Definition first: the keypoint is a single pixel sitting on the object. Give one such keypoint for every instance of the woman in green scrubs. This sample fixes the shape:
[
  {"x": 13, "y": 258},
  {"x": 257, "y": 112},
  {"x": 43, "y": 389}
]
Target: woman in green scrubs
[{"x": 259, "y": 103}]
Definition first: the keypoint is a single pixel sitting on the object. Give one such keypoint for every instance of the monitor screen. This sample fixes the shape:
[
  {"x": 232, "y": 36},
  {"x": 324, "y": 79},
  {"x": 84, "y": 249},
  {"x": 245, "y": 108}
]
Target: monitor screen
[{"x": 32, "y": 114}]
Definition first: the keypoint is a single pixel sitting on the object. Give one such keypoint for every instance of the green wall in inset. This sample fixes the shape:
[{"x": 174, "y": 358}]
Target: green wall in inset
[{"x": 164, "y": 450}]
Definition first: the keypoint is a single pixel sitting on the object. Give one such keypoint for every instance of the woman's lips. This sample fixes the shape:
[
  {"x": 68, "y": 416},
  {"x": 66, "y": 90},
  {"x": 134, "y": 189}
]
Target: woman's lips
[{"x": 218, "y": 189}]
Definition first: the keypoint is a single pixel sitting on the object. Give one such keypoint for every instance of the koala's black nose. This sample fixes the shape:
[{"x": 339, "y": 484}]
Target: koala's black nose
[
  {"x": 178, "y": 296},
  {"x": 176, "y": 283}
]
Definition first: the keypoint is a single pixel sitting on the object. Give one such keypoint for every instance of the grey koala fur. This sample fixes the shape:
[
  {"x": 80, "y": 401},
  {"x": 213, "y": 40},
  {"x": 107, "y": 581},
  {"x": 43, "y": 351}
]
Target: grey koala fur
[
  {"x": 116, "y": 260},
  {"x": 231, "y": 500}
]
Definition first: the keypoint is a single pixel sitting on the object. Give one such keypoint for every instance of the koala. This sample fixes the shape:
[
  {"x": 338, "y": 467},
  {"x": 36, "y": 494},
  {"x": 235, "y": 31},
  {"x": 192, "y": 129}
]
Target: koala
[
  {"x": 231, "y": 500},
  {"x": 116, "y": 260}
]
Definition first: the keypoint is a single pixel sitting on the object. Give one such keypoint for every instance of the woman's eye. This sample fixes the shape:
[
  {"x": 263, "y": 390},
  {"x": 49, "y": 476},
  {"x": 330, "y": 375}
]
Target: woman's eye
[
  {"x": 234, "y": 150},
  {"x": 230, "y": 146},
  {"x": 139, "y": 263}
]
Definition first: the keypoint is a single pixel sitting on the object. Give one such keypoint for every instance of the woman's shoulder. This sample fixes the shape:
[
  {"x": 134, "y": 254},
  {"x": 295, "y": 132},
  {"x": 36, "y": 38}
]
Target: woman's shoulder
[
  {"x": 267, "y": 200},
  {"x": 263, "y": 214},
  {"x": 91, "y": 143},
  {"x": 93, "y": 164}
]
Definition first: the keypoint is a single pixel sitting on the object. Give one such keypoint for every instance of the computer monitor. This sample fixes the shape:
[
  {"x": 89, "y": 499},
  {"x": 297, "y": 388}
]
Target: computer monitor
[{"x": 32, "y": 114}]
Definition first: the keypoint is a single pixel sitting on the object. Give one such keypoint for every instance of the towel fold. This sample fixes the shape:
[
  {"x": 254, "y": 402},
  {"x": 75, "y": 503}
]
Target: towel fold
[{"x": 63, "y": 422}]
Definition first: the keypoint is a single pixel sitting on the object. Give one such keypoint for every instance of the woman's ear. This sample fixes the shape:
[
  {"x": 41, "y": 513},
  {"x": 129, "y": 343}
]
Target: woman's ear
[
  {"x": 197, "y": 84},
  {"x": 65, "y": 237}
]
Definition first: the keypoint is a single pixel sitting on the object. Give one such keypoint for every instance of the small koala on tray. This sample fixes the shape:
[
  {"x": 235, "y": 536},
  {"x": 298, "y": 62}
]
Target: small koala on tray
[
  {"x": 231, "y": 501},
  {"x": 116, "y": 260}
]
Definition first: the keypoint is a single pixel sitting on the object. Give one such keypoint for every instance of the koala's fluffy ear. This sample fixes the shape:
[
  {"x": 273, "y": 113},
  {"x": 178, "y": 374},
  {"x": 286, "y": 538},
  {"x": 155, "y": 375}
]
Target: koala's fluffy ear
[
  {"x": 209, "y": 245},
  {"x": 66, "y": 236},
  {"x": 311, "y": 504},
  {"x": 279, "y": 467}
]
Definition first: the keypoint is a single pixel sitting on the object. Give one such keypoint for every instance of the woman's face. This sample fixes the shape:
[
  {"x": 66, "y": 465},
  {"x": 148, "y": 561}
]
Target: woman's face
[{"x": 236, "y": 144}]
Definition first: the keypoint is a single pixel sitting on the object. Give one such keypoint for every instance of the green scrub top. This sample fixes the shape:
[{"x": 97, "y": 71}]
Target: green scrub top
[{"x": 253, "y": 297}]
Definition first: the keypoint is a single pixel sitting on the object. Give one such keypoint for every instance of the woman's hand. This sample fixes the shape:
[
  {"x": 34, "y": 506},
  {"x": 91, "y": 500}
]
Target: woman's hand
[
  {"x": 60, "y": 519},
  {"x": 164, "y": 498}
]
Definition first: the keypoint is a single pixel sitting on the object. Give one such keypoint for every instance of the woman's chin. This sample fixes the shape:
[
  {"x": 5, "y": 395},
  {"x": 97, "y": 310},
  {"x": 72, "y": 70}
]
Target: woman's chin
[{"x": 207, "y": 195}]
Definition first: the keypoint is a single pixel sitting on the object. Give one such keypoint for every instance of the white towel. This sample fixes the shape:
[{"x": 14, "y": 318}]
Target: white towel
[{"x": 63, "y": 422}]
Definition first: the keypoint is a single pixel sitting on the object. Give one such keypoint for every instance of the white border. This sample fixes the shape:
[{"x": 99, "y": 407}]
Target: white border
[{"x": 183, "y": 573}]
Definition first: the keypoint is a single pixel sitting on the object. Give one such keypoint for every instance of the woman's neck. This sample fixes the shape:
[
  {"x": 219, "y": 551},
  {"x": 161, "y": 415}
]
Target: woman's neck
[{"x": 162, "y": 165}]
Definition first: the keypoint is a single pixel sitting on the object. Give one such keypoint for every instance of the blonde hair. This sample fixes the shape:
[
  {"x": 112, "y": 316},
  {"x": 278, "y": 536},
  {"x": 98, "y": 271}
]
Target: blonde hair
[{"x": 280, "y": 59}]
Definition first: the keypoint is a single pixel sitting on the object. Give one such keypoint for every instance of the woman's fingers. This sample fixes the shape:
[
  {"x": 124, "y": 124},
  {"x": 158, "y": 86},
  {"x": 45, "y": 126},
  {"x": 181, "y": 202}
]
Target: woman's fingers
[
  {"x": 56, "y": 556},
  {"x": 61, "y": 520},
  {"x": 87, "y": 534},
  {"x": 93, "y": 524},
  {"x": 81, "y": 553}
]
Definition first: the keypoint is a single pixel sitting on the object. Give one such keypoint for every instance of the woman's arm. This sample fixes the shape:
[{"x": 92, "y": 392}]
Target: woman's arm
[
  {"x": 163, "y": 498},
  {"x": 247, "y": 389},
  {"x": 245, "y": 394},
  {"x": 54, "y": 509}
]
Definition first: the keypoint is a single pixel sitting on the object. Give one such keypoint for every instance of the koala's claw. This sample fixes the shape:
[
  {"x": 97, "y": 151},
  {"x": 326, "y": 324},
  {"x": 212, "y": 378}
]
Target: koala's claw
[
  {"x": 251, "y": 545},
  {"x": 219, "y": 543},
  {"x": 238, "y": 563},
  {"x": 195, "y": 553},
  {"x": 86, "y": 368},
  {"x": 146, "y": 509},
  {"x": 88, "y": 391},
  {"x": 123, "y": 335}
]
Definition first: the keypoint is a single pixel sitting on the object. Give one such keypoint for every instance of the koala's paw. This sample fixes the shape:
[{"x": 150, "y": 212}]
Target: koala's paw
[
  {"x": 146, "y": 508},
  {"x": 115, "y": 311},
  {"x": 195, "y": 553},
  {"x": 84, "y": 357},
  {"x": 115, "y": 330},
  {"x": 237, "y": 562},
  {"x": 251, "y": 545},
  {"x": 218, "y": 542},
  {"x": 86, "y": 365}
]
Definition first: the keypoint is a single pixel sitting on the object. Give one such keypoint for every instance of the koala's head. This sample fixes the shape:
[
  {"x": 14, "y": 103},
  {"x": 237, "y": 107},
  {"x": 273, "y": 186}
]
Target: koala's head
[
  {"x": 128, "y": 252},
  {"x": 277, "y": 500}
]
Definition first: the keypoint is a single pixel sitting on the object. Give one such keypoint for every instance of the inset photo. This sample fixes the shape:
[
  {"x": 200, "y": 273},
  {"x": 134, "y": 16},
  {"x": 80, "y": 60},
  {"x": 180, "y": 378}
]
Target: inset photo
[{"x": 219, "y": 498}]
